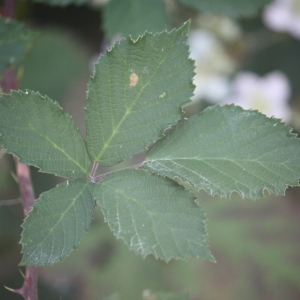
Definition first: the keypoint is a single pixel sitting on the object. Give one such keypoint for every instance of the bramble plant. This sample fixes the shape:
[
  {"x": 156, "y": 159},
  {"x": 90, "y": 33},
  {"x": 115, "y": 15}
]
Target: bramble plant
[
  {"x": 135, "y": 94},
  {"x": 136, "y": 99}
]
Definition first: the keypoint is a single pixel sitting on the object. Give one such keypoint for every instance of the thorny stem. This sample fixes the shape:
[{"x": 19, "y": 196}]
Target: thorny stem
[
  {"x": 8, "y": 9},
  {"x": 29, "y": 288},
  {"x": 9, "y": 82}
]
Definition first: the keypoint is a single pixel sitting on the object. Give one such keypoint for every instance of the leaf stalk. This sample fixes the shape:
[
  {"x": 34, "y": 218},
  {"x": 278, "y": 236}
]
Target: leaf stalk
[{"x": 101, "y": 176}]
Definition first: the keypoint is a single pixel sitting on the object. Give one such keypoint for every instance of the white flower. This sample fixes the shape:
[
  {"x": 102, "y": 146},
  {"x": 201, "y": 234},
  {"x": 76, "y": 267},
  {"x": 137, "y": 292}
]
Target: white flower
[
  {"x": 223, "y": 27},
  {"x": 268, "y": 94},
  {"x": 283, "y": 15},
  {"x": 212, "y": 66}
]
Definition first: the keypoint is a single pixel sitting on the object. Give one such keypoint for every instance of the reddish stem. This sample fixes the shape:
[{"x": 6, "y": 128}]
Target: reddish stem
[
  {"x": 8, "y": 9},
  {"x": 25, "y": 186},
  {"x": 9, "y": 82},
  {"x": 29, "y": 288}
]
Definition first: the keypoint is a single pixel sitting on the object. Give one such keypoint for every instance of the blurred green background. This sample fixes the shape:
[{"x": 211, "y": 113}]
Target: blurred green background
[{"x": 256, "y": 243}]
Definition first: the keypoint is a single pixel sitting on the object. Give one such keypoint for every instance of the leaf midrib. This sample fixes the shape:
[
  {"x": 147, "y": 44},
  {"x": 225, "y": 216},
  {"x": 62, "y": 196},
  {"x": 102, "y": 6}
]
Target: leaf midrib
[
  {"x": 149, "y": 212},
  {"x": 212, "y": 158},
  {"x": 52, "y": 143},
  {"x": 128, "y": 111},
  {"x": 62, "y": 216},
  {"x": 224, "y": 173}
]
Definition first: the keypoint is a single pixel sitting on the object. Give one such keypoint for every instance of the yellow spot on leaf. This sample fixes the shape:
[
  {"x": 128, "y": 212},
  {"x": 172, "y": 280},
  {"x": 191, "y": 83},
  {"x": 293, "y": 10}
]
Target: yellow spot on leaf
[
  {"x": 133, "y": 79},
  {"x": 162, "y": 95}
]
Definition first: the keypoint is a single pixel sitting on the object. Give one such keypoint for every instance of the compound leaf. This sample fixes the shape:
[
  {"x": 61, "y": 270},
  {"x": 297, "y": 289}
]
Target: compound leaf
[
  {"x": 226, "y": 149},
  {"x": 14, "y": 42},
  {"x": 232, "y": 8},
  {"x": 57, "y": 223},
  {"x": 134, "y": 17},
  {"x": 137, "y": 92},
  {"x": 40, "y": 133},
  {"x": 153, "y": 215}
]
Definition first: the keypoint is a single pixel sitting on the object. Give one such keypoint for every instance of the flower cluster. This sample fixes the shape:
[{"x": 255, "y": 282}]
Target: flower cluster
[
  {"x": 213, "y": 66},
  {"x": 283, "y": 15},
  {"x": 268, "y": 94}
]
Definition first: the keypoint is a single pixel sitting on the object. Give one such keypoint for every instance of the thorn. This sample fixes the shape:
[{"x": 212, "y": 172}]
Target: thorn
[
  {"x": 14, "y": 176},
  {"x": 10, "y": 202},
  {"x": 2, "y": 152},
  {"x": 9, "y": 289},
  {"x": 22, "y": 273}
]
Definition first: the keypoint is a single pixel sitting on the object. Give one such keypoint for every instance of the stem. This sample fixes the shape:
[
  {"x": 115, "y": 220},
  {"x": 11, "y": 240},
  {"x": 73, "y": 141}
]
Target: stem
[
  {"x": 91, "y": 176},
  {"x": 29, "y": 288},
  {"x": 101, "y": 176},
  {"x": 8, "y": 9},
  {"x": 25, "y": 185},
  {"x": 9, "y": 82}
]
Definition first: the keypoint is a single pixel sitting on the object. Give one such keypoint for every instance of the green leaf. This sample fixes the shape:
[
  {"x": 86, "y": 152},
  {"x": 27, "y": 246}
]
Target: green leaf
[
  {"x": 14, "y": 42},
  {"x": 65, "y": 65},
  {"x": 134, "y": 17},
  {"x": 153, "y": 215},
  {"x": 41, "y": 134},
  {"x": 57, "y": 223},
  {"x": 226, "y": 149},
  {"x": 62, "y": 2},
  {"x": 137, "y": 92},
  {"x": 232, "y": 8}
]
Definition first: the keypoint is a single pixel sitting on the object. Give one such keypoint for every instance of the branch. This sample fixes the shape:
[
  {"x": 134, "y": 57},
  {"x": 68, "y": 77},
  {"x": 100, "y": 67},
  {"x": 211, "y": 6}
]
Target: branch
[
  {"x": 8, "y": 9},
  {"x": 29, "y": 288},
  {"x": 25, "y": 185},
  {"x": 9, "y": 82}
]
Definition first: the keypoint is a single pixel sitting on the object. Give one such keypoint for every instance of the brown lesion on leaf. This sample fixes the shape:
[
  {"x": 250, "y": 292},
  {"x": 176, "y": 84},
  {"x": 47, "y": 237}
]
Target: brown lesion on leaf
[{"x": 133, "y": 79}]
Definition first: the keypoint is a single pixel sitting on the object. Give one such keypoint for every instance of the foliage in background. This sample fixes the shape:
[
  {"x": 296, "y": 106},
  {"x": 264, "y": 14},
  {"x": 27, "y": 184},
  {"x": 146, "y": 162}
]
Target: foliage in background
[
  {"x": 140, "y": 16},
  {"x": 144, "y": 15},
  {"x": 15, "y": 40}
]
